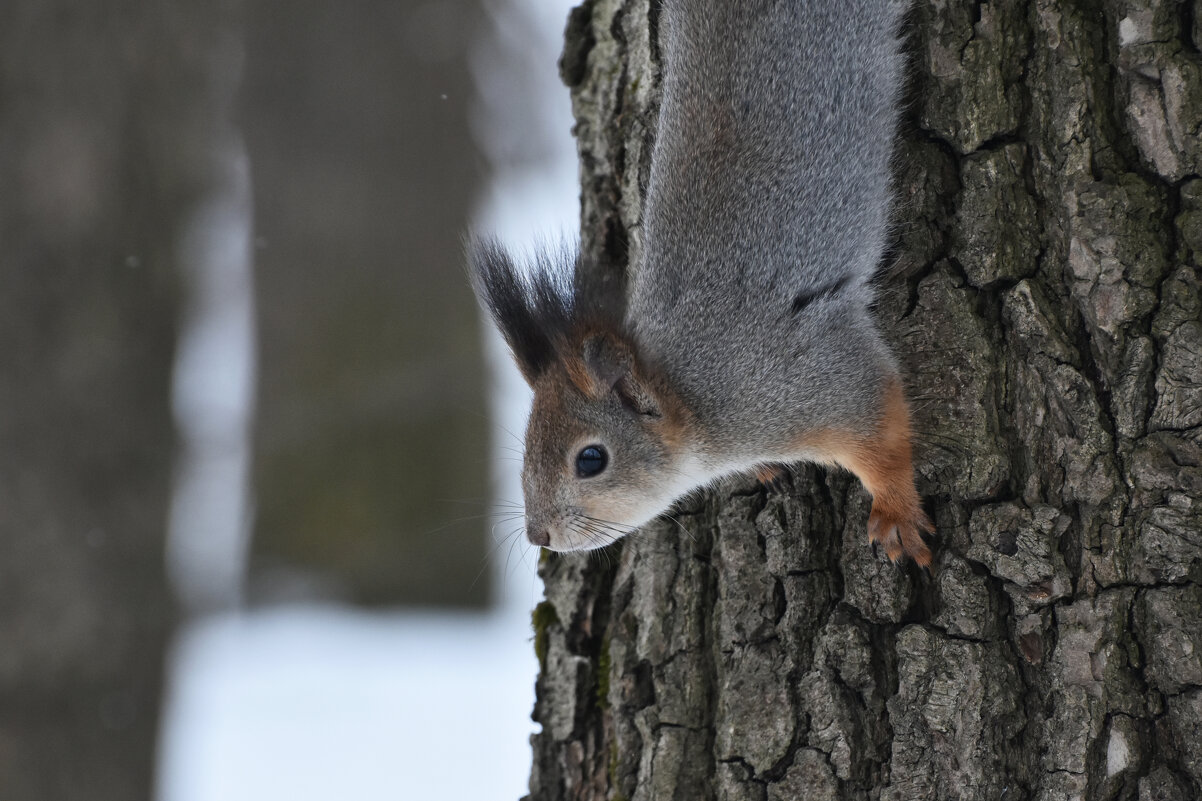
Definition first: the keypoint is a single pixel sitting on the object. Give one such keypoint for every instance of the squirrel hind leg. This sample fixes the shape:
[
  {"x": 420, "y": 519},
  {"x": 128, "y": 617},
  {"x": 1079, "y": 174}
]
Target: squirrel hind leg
[{"x": 880, "y": 458}]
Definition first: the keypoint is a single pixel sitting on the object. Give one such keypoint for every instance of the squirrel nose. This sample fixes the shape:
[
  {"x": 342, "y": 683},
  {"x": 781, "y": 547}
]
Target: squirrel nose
[{"x": 540, "y": 537}]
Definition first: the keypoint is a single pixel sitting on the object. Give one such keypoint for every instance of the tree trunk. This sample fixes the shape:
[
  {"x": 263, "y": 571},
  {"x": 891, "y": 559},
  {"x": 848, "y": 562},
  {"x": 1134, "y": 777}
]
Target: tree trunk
[
  {"x": 1044, "y": 298},
  {"x": 371, "y": 389},
  {"x": 105, "y": 138}
]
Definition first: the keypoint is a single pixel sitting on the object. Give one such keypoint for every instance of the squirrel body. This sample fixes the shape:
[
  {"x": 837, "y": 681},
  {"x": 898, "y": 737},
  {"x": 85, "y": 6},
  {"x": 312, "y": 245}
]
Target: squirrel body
[{"x": 747, "y": 341}]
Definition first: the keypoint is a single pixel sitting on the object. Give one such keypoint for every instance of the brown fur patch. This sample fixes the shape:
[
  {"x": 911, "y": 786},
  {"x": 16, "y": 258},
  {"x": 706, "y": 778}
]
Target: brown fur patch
[
  {"x": 880, "y": 458},
  {"x": 578, "y": 374},
  {"x": 770, "y": 474},
  {"x": 677, "y": 425}
]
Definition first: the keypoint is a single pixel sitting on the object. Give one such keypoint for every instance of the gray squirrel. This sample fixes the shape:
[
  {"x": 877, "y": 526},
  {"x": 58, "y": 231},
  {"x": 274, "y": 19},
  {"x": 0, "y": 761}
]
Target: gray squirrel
[{"x": 746, "y": 342}]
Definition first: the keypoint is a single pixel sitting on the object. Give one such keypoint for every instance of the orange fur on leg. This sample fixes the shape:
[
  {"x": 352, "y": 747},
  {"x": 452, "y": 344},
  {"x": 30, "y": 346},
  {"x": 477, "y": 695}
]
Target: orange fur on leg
[
  {"x": 881, "y": 460},
  {"x": 771, "y": 475}
]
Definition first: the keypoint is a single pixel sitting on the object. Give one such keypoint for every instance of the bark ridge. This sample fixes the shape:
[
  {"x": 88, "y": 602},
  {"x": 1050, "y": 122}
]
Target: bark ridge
[{"x": 1045, "y": 298}]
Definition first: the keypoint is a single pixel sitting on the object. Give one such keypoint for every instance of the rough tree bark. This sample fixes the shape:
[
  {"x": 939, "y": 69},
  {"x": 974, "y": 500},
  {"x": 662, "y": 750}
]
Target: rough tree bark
[{"x": 1045, "y": 300}]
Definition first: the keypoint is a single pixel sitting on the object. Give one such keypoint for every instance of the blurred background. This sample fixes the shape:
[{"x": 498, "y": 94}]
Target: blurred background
[{"x": 257, "y": 449}]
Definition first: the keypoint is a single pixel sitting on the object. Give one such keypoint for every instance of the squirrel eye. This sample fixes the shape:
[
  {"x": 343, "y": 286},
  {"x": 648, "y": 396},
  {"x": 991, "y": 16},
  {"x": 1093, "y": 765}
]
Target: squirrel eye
[{"x": 591, "y": 461}]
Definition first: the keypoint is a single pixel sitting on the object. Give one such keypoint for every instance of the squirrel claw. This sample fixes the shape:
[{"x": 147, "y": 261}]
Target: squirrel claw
[{"x": 900, "y": 536}]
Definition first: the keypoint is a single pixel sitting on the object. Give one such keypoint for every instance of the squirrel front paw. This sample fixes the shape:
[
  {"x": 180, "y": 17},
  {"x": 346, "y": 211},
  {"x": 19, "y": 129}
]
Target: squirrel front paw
[{"x": 899, "y": 533}]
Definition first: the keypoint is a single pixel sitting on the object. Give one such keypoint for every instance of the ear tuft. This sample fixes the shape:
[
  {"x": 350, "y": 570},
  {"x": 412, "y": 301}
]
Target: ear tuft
[{"x": 531, "y": 312}]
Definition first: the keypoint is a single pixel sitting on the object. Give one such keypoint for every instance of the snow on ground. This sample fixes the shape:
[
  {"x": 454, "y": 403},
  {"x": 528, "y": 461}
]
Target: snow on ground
[{"x": 323, "y": 702}]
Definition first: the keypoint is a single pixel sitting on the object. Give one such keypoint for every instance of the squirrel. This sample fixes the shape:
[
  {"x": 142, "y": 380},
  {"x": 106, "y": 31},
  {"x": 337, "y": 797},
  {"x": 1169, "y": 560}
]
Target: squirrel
[{"x": 746, "y": 341}]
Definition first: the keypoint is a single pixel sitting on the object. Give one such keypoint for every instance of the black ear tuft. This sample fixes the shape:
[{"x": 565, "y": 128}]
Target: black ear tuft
[{"x": 532, "y": 311}]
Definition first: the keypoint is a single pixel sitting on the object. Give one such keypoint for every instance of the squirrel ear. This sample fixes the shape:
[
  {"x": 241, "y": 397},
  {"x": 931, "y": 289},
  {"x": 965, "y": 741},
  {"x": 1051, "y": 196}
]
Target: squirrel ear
[
  {"x": 607, "y": 359},
  {"x": 612, "y": 367}
]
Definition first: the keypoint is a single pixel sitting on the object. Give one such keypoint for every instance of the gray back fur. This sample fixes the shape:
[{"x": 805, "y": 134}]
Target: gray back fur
[{"x": 767, "y": 211}]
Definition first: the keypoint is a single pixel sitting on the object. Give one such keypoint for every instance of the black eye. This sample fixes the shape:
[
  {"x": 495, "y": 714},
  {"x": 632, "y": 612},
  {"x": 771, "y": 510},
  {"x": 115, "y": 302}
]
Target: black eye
[{"x": 591, "y": 461}]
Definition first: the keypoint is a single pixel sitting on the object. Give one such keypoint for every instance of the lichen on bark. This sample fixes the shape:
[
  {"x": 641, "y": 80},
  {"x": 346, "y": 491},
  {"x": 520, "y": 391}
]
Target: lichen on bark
[{"x": 1044, "y": 296}]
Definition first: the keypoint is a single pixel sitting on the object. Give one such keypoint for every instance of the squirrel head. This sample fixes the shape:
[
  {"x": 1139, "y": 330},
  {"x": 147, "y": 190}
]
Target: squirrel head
[{"x": 606, "y": 438}]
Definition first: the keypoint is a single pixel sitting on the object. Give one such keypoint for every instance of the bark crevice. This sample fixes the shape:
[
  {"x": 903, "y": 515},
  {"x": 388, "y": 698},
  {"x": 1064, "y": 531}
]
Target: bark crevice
[{"x": 1043, "y": 295}]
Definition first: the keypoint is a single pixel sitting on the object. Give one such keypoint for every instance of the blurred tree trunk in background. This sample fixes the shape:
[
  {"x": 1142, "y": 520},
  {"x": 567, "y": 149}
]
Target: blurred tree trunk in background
[
  {"x": 1046, "y": 304},
  {"x": 371, "y": 445},
  {"x": 104, "y": 150}
]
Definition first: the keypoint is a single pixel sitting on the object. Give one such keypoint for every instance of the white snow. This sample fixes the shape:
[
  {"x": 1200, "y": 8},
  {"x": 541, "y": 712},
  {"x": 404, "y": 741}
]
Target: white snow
[
  {"x": 1118, "y": 753},
  {"x": 1135, "y": 28},
  {"x": 320, "y": 702}
]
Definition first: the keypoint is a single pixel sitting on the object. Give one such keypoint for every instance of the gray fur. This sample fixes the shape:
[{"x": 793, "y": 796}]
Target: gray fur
[
  {"x": 747, "y": 325},
  {"x": 769, "y": 192}
]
